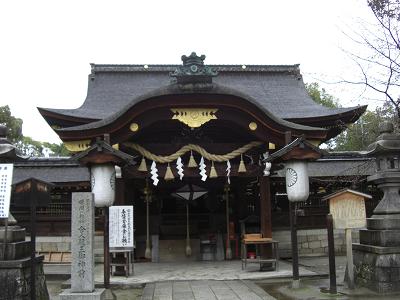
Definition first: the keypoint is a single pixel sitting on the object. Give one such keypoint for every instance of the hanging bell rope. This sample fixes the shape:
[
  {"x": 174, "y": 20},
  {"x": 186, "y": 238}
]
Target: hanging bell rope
[{"x": 209, "y": 156}]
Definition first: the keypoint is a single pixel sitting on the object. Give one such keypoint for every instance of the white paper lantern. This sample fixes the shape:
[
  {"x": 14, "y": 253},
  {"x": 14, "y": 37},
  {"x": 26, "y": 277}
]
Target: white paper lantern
[
  {"x": 297, "y": 182},
  {"x": 103, "y": 184}
]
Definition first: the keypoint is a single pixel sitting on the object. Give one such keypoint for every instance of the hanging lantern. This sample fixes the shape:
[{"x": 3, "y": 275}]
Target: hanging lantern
[
  {"x": 192, "y": 163},
  {"x": 213, "y": 172},
  {"x": 103, "y": 184},
  {"x": 142, "y": 167},
  {"x": 242, "y": 167},
  {"x": 168, "y": 174},
  {"x": 297, "y": 182}
]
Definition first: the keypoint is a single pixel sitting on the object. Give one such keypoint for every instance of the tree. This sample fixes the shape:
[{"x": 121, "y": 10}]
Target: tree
[
  {"x": 365, "y": 131},
  {"x": 360, "y": 134},
  {"x": 27, "y": 146},
  {"x": 13, "y": 124},
  {"x": 380, "y": 42},
  {"x": 320, "y": 96}
]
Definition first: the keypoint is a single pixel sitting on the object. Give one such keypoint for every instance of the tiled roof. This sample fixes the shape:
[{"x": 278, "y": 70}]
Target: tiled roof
[
  {"x": 55, "y": 170},
  {"x": 277, "y": 89}
]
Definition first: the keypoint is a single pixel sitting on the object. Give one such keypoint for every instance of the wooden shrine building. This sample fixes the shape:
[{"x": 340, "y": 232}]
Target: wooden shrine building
[{"x": 203, "y": 125}]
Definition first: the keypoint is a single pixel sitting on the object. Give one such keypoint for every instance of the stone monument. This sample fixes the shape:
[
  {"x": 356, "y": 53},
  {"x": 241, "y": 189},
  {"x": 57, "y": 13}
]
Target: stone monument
[
  {"x": 377, "y": 256},
  {"x": 82, "y": 248}
]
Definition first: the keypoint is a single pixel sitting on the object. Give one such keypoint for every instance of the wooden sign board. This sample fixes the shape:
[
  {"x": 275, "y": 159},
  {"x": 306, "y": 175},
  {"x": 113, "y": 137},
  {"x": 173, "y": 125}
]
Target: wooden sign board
[
  {"x": 348, "y": 210},
  {"x": 6, "y": 175},
  {"x": 121, "y": 227}
]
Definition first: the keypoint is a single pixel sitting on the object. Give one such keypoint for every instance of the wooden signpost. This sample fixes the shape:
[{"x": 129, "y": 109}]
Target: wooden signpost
[
  {"x": 6, "y": 174},
  {"x": 347, "y": 208}
]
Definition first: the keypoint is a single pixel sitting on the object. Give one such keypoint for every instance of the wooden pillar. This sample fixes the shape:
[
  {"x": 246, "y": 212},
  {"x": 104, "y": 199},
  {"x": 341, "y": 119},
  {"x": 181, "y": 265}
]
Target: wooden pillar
[
  {"x": 119, "y": 191},
  {"x": 265, "y": 207}
]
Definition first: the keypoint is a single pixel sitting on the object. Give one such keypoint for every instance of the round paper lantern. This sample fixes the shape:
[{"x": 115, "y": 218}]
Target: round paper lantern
[
  {"x": 103, "y": 184},
  {"x": 297, "y": 183}
]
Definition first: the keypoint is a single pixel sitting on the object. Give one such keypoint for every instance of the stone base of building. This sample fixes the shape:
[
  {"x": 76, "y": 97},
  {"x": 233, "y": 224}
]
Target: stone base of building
[
  {"x": 97, "y": 294},
  {"x": 15, "y": 279},
  {"x": 377, "y": 268}
]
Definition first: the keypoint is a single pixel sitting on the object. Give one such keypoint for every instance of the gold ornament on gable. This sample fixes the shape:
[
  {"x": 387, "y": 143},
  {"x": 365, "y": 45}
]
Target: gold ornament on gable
[
  {"x": 77, "y": 146},
  {"x": 194, "y": 117}
]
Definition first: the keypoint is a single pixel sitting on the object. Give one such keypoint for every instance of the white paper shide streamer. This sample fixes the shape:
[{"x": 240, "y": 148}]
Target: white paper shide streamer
[
  {"x": 267, "y": 164},
  {"x": 202, "y": 168},
  {"x": 267, "y": 169},
  {"x": 153, "y": 172},
  {"x": 179, "y": 167},
  {"x": 228, "y": 171}
]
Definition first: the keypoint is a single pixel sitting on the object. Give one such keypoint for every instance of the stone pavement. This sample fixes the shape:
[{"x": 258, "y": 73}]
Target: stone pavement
[
  {"x": 204, "y": 290},
  {"x": 200, "y": 270}
]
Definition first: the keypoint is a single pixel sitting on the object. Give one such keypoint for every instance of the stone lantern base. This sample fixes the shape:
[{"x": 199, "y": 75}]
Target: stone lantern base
[{"x": 377, "y": 256}]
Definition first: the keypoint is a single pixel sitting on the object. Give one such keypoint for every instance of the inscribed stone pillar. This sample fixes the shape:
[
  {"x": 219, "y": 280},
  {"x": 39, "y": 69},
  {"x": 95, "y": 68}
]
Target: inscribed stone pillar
[{"x": 82, "y": 243}]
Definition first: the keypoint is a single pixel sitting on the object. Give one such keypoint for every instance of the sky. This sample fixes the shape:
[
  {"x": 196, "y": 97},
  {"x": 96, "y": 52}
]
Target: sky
[{"x": 47, "y": 46}]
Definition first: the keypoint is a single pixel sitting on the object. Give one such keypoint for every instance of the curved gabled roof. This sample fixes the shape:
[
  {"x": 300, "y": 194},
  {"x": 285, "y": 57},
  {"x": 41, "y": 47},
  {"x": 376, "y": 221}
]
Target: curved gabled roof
[
  {"x": 277, "y": 89},
  {"x": 174, "y": 89}
]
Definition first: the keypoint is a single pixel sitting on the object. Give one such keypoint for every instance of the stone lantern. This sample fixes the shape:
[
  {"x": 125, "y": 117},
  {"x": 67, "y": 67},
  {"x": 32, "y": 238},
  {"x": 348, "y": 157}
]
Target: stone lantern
[{"x": 377, "y": 256}]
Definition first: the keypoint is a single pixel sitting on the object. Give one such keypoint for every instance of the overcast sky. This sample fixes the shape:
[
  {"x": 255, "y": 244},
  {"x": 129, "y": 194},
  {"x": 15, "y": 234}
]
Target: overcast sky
[{"x": 46, "y": 46}]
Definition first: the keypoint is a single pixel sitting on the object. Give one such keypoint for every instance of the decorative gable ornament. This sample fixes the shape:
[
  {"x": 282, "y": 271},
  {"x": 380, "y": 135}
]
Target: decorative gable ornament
[
  {"x": 194, "y": 117},
  {"x": 193, "y": 70}
]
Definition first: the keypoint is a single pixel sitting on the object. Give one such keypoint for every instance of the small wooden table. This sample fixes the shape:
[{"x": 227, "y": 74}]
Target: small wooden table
[{"x": 257, "y": 240}]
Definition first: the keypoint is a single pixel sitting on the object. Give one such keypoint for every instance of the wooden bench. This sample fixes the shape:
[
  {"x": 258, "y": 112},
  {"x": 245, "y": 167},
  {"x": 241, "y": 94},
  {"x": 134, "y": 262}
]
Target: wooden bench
[{"x": 56, "y": 257}]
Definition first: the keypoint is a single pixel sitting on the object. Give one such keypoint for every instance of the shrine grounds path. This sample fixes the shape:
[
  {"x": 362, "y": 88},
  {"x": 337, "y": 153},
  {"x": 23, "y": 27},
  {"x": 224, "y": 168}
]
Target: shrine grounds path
[
  {"x": 204, "y": 290},
  {"x": 224, "y": 281}
]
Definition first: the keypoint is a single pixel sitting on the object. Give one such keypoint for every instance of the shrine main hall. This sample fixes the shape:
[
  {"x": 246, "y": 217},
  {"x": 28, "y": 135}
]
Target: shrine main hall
[{"x": 219, "y": 133}]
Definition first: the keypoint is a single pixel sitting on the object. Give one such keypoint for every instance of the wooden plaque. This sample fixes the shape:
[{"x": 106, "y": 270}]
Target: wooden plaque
[{"x": 348, "y": 211}]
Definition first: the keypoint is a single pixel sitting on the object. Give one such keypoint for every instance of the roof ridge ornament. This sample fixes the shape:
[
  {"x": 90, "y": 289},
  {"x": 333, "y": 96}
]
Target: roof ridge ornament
[{"x": 193, "y": 71}]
